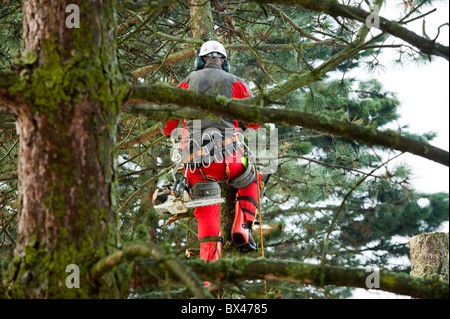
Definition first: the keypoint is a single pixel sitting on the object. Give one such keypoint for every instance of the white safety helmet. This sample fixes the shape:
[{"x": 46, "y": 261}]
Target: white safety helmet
[{"x": 212, "y": 46}]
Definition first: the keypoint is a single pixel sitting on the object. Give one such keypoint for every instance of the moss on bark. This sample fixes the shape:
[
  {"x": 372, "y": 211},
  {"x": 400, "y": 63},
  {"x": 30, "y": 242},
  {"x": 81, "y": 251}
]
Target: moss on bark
[
  {"x": 429, "y": 255},
  {"x": 72, "y": 90}
]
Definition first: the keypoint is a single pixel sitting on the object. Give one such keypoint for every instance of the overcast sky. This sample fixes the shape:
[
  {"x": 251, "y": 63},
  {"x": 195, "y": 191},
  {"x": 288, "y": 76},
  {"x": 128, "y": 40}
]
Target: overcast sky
[{"x": 424, "y": 95}]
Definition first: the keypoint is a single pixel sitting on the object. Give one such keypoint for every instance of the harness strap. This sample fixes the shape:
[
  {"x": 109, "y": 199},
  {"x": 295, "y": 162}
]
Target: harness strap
[
  {"x": 245, "y": 210},
  {"x": 248, "y": 198},
  {"x": 205, "y": 149},
  {"x": 212, "y": 239},
  {"x": 204, "y": 176}
]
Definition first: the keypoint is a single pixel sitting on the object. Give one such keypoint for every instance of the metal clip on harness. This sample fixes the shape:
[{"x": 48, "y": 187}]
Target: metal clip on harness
[{"x": 249, "y": 175}]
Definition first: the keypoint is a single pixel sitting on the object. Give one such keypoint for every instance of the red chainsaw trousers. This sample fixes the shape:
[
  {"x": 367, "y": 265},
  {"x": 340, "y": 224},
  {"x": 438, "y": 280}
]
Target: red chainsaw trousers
[{"x": 208, "y": 217}]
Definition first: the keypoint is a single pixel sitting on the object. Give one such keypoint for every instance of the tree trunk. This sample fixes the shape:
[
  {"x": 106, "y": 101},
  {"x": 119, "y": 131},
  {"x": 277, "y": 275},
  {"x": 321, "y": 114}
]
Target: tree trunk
[
  {"x": 429, "y": 255},
  {"x": 72, "y": 90},
  {"x": 227, "y": 212},
  {"x": 202, "y": 22}
]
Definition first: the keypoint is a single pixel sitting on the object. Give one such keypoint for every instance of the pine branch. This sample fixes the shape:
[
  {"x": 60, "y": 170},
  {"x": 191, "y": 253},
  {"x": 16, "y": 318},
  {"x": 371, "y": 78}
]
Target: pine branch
[
  {"x": 241, "y": 269},
  {"x": 9, "y": 101},
  {"x": 131, "y": 252},
  {"x": 144, "y": 5},
  {"x": 297, "y": 81},
  {"x": 171, "y": 59},
  {"x": 343, "y": 204},
  {"x": 152, "y": 131},
  {"x": 334, "y": 8},
  {"x": 151, "y": 180},
  {"x": 166, "y": 112},
  {"x": 232, "y": 109},
  {"x": 190, "y": 52}
]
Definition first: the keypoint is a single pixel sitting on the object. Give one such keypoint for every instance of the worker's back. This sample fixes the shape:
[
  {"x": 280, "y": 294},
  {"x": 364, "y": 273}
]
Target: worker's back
[{"x": 212, "y": 80}]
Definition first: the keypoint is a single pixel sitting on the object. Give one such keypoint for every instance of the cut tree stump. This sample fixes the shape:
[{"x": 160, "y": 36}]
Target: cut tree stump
[{"x": 429, "y": 255}]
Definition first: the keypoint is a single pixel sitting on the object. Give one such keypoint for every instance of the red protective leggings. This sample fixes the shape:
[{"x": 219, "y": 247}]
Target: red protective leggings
[{"x": 208, "y": 217}]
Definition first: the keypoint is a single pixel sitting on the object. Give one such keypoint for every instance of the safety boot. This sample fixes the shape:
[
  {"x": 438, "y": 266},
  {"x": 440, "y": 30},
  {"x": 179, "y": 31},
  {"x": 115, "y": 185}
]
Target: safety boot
[{"x": 241, "y": 231}]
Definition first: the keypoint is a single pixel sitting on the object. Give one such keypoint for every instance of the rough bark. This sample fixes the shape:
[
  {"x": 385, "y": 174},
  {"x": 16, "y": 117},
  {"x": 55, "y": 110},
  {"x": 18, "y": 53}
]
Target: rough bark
[
  {"x": 227, "y": 213},
  {"x": 66, "y": 100},
  {"x": 429, "y": 255},
  {"x": 202, "y": 24}
]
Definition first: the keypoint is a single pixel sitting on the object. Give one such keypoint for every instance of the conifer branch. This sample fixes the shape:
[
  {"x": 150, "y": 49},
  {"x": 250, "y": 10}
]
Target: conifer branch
[
  {"x": 148, "y": 133},
  {"x": 245, "y": 268},
  {"x": 131, "y": 252},
  {"x": 334, "y": 8},
  {"x": 144, "y": 5},
  {"x": 296, "y": 81},
  {"x": 9, "y": 101},
  {"x": 171, "y": 59},
  {"x": 190, "y": 52},
  {"x": 241, "y": 269},
  {"x": 233, "y": 109}
]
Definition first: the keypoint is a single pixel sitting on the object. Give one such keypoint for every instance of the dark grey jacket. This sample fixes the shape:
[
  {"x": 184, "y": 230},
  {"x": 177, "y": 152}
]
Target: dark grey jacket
[{"x": 213, "y": 80}]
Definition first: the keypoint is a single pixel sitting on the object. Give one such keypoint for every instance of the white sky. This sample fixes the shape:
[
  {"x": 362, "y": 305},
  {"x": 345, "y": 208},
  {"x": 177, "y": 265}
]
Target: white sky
[
  {"x": 424, "y": 95},
  {"x": 423, "y": 91}
]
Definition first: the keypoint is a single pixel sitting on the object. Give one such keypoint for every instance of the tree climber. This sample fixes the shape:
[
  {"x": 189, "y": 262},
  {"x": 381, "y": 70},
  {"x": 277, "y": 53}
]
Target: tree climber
[{"x": 211, "y": 76}]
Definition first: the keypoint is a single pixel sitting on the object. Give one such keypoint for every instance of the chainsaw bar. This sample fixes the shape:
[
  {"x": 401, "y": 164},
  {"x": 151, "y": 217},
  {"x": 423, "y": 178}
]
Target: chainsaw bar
[
  {"x": 167, "y": 204},
  {"x": 204, "y": 202}
]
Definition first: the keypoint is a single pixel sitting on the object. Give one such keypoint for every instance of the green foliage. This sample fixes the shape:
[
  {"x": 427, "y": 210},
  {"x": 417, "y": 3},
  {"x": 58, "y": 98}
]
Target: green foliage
[
  {"x": 10, "y": 33},
  {"x": 316, "y": 171},
  {"x": 8, "y": 189}
]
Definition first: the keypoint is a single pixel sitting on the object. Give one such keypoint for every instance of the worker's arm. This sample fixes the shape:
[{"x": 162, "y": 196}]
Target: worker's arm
[{"x": 241, "y": 91}]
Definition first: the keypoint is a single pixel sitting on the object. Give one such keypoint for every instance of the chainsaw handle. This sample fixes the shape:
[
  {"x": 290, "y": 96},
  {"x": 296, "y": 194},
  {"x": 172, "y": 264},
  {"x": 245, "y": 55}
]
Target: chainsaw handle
[{"x": 179, "y": 186}]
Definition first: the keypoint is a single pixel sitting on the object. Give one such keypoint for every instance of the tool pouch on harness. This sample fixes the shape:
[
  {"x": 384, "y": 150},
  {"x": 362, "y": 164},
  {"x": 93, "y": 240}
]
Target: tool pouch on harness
[{"x": 205, "y": 190}]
